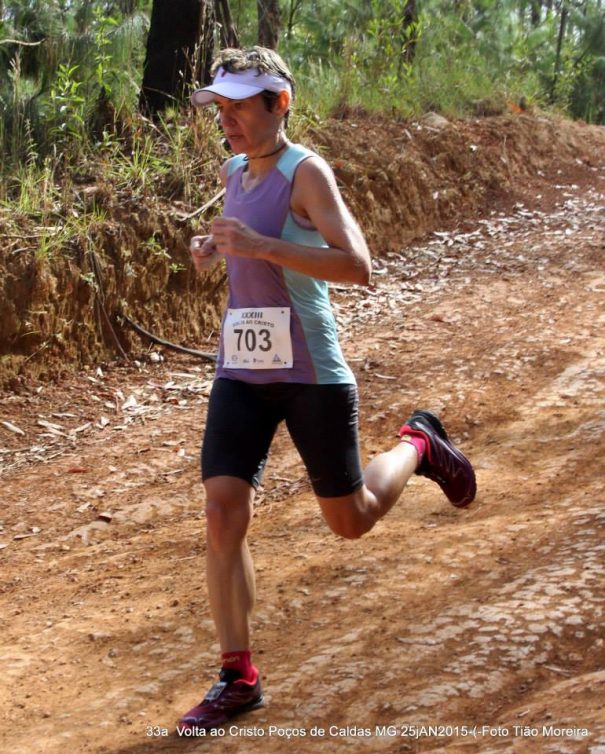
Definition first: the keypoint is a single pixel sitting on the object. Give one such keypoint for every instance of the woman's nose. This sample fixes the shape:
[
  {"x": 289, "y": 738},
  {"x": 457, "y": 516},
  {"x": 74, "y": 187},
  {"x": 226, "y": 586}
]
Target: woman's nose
[{"x": 225, "y": 118}]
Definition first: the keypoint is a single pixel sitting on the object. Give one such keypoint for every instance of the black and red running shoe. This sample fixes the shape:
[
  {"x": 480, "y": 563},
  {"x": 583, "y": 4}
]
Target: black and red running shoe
[
  {"x": 443, "y": 462},
  {"x": 230, "y": 696}
]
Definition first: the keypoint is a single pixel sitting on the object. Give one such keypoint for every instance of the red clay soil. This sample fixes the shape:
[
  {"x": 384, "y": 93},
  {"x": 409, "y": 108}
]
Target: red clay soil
[{"x": 444, "y": 630}]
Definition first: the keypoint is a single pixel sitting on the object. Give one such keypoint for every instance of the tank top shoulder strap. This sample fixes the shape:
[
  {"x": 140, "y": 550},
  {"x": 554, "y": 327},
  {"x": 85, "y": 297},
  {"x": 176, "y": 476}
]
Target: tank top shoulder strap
[
  {"x": 291, "y": 159},
  {"x": 235, "y": 162}
]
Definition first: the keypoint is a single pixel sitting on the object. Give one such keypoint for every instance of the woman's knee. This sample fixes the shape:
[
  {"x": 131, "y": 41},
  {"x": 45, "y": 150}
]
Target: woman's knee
[
  {"x": 345, "y": 517},
  {"x": 228, "y": 511},
  {"x": 347, "y": 529}
]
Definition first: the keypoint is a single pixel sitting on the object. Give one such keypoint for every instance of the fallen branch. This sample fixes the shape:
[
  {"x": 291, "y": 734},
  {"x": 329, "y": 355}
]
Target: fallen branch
[
  {"x": 19, "y": 42},
  {"x": 214, "y": 200},
  {"x": 168, "y": 344}
]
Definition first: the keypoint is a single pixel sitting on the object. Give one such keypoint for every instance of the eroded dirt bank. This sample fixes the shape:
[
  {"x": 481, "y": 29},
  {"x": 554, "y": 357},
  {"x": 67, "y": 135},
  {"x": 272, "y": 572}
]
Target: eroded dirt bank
[
  {"x": 488, "y": 620},
  {"x": 402, "y": 179}
]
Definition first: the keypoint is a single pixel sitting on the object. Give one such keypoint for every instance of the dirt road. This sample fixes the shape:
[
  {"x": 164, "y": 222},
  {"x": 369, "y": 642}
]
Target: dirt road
[{"x": 442, "y": 630}]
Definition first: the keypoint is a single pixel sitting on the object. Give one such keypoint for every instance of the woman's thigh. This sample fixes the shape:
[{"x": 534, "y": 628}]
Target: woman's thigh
[
  {"x": 322, "y": 421},
  {"x": 239, "y": 430}
]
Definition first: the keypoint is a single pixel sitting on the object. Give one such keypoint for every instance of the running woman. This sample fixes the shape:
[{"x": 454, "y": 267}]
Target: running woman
[{"x": 285, "y": 233}]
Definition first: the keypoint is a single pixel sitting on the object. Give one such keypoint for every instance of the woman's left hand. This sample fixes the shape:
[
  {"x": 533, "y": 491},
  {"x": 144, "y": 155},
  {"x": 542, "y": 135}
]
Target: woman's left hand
[{"x": 231, "y": 236}]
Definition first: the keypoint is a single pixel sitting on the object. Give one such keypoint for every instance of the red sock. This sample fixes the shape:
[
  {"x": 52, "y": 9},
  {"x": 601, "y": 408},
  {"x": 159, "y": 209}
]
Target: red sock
[
  {"x": 242, "y": 662},
  {"x": 418, "y": 442}
]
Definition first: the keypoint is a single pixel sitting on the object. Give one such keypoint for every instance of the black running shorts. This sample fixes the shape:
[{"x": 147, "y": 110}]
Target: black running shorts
[{"x": 321, "y": 419}]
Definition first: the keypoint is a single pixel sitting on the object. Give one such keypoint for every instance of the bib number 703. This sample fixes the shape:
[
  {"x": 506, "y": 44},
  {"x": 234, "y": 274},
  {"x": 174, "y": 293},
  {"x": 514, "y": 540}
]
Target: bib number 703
[
  {"x": 257, "y": 338},
  {"x": 251, "y": 340}
]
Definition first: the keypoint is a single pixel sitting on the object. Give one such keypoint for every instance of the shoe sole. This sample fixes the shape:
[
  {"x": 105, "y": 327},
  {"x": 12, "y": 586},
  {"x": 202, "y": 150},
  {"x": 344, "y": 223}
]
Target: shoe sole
[
  {"x": 434, "y": 422},
  {"x": 260, "y": 702},
  {"x": 255, "y": 704}
]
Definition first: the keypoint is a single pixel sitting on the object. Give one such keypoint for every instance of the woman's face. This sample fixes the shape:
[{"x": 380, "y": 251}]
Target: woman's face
[{"x": 247, "y": 124}]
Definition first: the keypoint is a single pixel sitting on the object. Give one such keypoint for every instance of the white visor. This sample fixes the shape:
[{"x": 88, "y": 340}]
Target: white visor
[{"x": 239, "y": 85}]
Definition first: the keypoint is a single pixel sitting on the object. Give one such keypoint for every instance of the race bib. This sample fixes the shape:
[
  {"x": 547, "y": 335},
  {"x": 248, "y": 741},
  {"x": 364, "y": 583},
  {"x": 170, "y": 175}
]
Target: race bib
[{"x": 257, "y": 338}]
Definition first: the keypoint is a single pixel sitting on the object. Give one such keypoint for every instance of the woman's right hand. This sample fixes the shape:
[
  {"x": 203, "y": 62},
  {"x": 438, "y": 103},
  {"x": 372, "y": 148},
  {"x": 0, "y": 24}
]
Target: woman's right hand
[{"x": 203, "y": 252}]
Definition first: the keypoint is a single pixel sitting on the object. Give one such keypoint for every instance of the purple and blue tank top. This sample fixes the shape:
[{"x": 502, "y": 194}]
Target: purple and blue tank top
[{"x": 255, "y": 284}]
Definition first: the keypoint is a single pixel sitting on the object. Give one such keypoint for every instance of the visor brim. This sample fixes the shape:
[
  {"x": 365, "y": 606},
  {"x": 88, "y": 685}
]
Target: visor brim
[{"x": 228, "y": 89}]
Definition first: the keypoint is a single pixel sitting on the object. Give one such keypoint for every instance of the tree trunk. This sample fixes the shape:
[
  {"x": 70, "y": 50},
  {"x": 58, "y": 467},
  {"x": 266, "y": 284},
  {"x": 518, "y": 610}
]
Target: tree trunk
[
  {"x": 179, "y": 52},
  {"x": 536, "y": 7},
  {"x": 293, "y": 10},
  {"x": 561, "y": 36},
  {"x": 407, "y": 35},
  {"x": 408, "y": 32},
  {"x": 229, "y": 35},
  {"x": 269, "y": 23}
]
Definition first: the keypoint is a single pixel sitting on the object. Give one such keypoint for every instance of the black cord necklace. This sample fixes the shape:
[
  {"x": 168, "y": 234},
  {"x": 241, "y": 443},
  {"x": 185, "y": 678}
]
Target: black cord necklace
[{"x": 270, "y": 154}]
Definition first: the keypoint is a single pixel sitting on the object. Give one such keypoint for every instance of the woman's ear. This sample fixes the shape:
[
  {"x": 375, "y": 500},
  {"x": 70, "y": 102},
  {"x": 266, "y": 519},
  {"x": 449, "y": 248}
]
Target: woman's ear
[{"x": 282, "y": 103}]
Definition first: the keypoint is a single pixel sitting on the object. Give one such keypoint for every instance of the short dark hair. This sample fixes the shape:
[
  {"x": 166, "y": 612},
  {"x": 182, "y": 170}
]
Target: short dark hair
[
  {"x": 264, "y": 60},
  {"x": 269, "y": 98}
]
